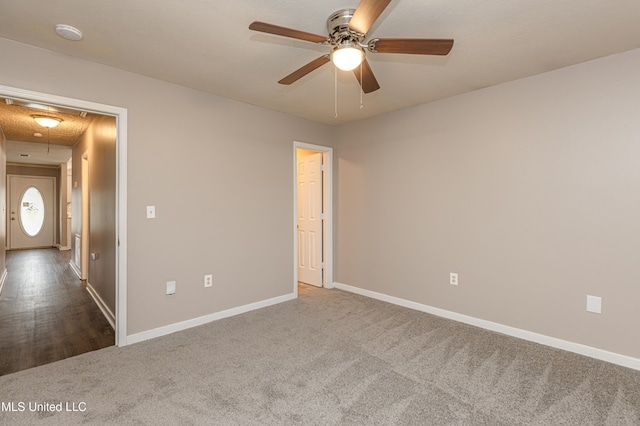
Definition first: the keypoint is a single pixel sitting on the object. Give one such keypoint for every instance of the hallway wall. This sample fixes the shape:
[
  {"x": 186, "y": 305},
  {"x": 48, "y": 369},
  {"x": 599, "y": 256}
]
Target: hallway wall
[{"x": 99, "y": 140}]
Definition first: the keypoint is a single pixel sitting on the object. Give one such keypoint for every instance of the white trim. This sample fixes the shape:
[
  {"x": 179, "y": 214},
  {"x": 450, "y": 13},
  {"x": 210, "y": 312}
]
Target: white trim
[
  {"x": 3, "y": 279},
  {"x": 180, "y": 326},
  {"x": 121, "y": 186},
  {"x": 111, "y": 318},
  {"x": 121, "y": 228},
  {"x": 75, "y": 269},
  {"x": 63, "y": 248},
  {"x": 623, "y": 360},
  {"x": 328, "y": 212}
]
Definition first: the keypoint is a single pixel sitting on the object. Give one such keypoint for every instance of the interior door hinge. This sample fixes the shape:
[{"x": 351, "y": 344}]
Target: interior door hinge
[
  {"x": 321, "y": 216},
  {"x": 322, "y": 167}
]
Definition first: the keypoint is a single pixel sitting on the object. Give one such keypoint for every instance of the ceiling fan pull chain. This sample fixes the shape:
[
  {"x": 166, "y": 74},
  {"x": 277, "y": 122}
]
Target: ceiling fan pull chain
[{"x": 335, "y": 92}]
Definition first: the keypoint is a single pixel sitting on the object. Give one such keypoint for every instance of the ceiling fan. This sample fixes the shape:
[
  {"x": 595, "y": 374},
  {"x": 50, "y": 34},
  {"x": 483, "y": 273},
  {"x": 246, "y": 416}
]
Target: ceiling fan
[{"x": 347, "y": 32}]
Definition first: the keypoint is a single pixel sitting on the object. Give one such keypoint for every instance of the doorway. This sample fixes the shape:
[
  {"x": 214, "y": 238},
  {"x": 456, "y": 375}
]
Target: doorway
[
  {"x": 120, "y": 115},
  {"x": 313, "y": 207},
  {"x": 31, "y": 212}
]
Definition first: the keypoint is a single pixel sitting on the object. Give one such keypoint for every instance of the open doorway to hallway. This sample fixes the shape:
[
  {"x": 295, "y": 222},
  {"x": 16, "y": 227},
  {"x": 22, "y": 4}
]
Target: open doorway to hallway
[
  {"x": 313, "y": 229},
  {"x": 101, "y": 138}
]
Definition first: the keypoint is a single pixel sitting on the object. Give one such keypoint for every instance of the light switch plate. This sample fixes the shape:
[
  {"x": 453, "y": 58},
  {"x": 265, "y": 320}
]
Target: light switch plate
[
  {"x": 151, "y": 212},
  {"x": 171, "y": 287},
  {"x": 594, "y": 304}
]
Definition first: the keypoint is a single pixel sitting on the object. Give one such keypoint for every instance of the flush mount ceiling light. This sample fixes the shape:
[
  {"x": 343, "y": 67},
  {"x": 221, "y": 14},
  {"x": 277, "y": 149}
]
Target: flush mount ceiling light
[
  {"x": 347, "y": 56},
  {"x": 48, "y": 122},
  {"x": 68, "y": 32}
]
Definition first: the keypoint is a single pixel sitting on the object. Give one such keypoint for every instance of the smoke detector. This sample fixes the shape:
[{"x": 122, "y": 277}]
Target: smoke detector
[{"x": 68, "y": 32}]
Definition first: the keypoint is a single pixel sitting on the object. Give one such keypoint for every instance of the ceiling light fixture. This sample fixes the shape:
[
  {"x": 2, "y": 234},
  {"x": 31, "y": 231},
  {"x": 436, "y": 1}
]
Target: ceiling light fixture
[
  {"x": 347, "y": 56},
  {"x": 68, "y": 32},
  {"x": 48, "y": 122}
]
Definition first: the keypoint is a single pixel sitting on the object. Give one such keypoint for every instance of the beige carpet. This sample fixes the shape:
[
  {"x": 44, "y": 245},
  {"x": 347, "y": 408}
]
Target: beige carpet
[{"x": 327, "y": 358}]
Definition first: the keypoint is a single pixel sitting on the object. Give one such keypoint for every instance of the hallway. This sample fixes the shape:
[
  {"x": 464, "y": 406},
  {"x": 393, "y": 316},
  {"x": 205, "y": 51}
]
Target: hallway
[{"x": 46, "y": 314}]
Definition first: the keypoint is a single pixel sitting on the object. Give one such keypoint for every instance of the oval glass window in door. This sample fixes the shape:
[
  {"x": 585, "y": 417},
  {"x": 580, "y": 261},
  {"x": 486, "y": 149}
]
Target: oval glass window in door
[{"x": 32, "y": 211}]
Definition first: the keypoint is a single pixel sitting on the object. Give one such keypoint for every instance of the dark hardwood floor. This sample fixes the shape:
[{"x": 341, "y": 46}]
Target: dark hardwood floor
[{"x": 46, "y": 313}]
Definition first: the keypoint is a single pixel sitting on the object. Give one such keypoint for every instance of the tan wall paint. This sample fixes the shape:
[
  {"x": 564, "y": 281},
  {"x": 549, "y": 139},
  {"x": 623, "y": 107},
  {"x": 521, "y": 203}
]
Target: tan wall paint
[
  {"x": 65, "y": 198},
  {"x": 218, "y": 171},
  {"x": 98, "y": 142},
  {"x": 529, "y": 190}
]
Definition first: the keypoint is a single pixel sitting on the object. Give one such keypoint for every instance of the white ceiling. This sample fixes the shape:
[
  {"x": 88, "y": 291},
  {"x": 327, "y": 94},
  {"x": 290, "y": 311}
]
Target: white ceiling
[{"x": 207, "y": 45}]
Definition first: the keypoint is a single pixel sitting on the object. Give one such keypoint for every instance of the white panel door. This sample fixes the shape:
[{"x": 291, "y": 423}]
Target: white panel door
[
  {"x": 31, "y": 214},
  {"x": 310, "y": 219}
]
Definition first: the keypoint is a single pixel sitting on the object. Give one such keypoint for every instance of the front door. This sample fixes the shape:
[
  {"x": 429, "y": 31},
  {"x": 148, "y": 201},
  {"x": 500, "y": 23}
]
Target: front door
[
  {"x": 31, "y": 211},
  {"x": 310, "y": 218}
]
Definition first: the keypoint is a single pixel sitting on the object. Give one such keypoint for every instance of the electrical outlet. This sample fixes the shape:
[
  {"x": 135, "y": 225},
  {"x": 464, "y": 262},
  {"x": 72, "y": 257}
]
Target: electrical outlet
[
  {"x": 208, "y": 280},
  {"x": 171, "y": 287},
  {"x": 594, "y": 304},
  {"x": 453, "y": 278}
]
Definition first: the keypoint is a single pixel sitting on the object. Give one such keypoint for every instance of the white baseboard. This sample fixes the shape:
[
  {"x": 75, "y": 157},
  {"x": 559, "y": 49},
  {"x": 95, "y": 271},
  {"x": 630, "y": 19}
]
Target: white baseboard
[
  {"x": 111, "y": 318},
  {"x": 3, "y": 278},
  {"x": 172, "y": 328},
  {"x": 63, "y": 248},
  {"x": 75, "y": 269},
  {"x": 623, "y": 360}
]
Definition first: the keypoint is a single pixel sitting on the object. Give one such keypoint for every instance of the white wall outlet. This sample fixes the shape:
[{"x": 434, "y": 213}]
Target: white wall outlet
[
  {"x": 453, "y": 278},
  {"x": 171, "y": 287},
  {"x": 151, "y": 212},
  {"x": 208, "y": 280},
  {"x": 594, "y": 304}
]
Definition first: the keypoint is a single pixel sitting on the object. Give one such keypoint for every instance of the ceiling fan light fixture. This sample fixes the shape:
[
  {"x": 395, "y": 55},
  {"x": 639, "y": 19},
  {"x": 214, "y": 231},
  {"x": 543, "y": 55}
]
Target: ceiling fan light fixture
[
  {"x": 45, "y": 121},
  {"x": 347, "y": 56}
]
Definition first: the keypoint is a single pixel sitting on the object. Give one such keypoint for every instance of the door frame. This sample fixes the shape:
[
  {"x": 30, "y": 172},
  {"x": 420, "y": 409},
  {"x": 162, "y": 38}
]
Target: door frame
[
  {"x": 9, "y": 189},
  {"x": 120, "y": 115},
  {"x": 327, "y": 208}
]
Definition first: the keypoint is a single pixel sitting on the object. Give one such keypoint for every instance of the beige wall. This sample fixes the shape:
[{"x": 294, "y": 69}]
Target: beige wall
[
  {"x": 218, "y": 171},
  {"x": 65, "y": 199},
  {"x": 99, "y": 142},
  {"x": 528, "y": 190}
]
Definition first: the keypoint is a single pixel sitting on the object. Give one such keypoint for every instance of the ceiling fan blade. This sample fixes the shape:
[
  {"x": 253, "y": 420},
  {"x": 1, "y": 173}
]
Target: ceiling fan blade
[
  {"x": 366, "y": 14},
  {"x": 412, "y": 46},
  {"x": 369, "y": 83},
  {"x": 301, "y": 72},
  {"x": 286, "y": 32}
]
